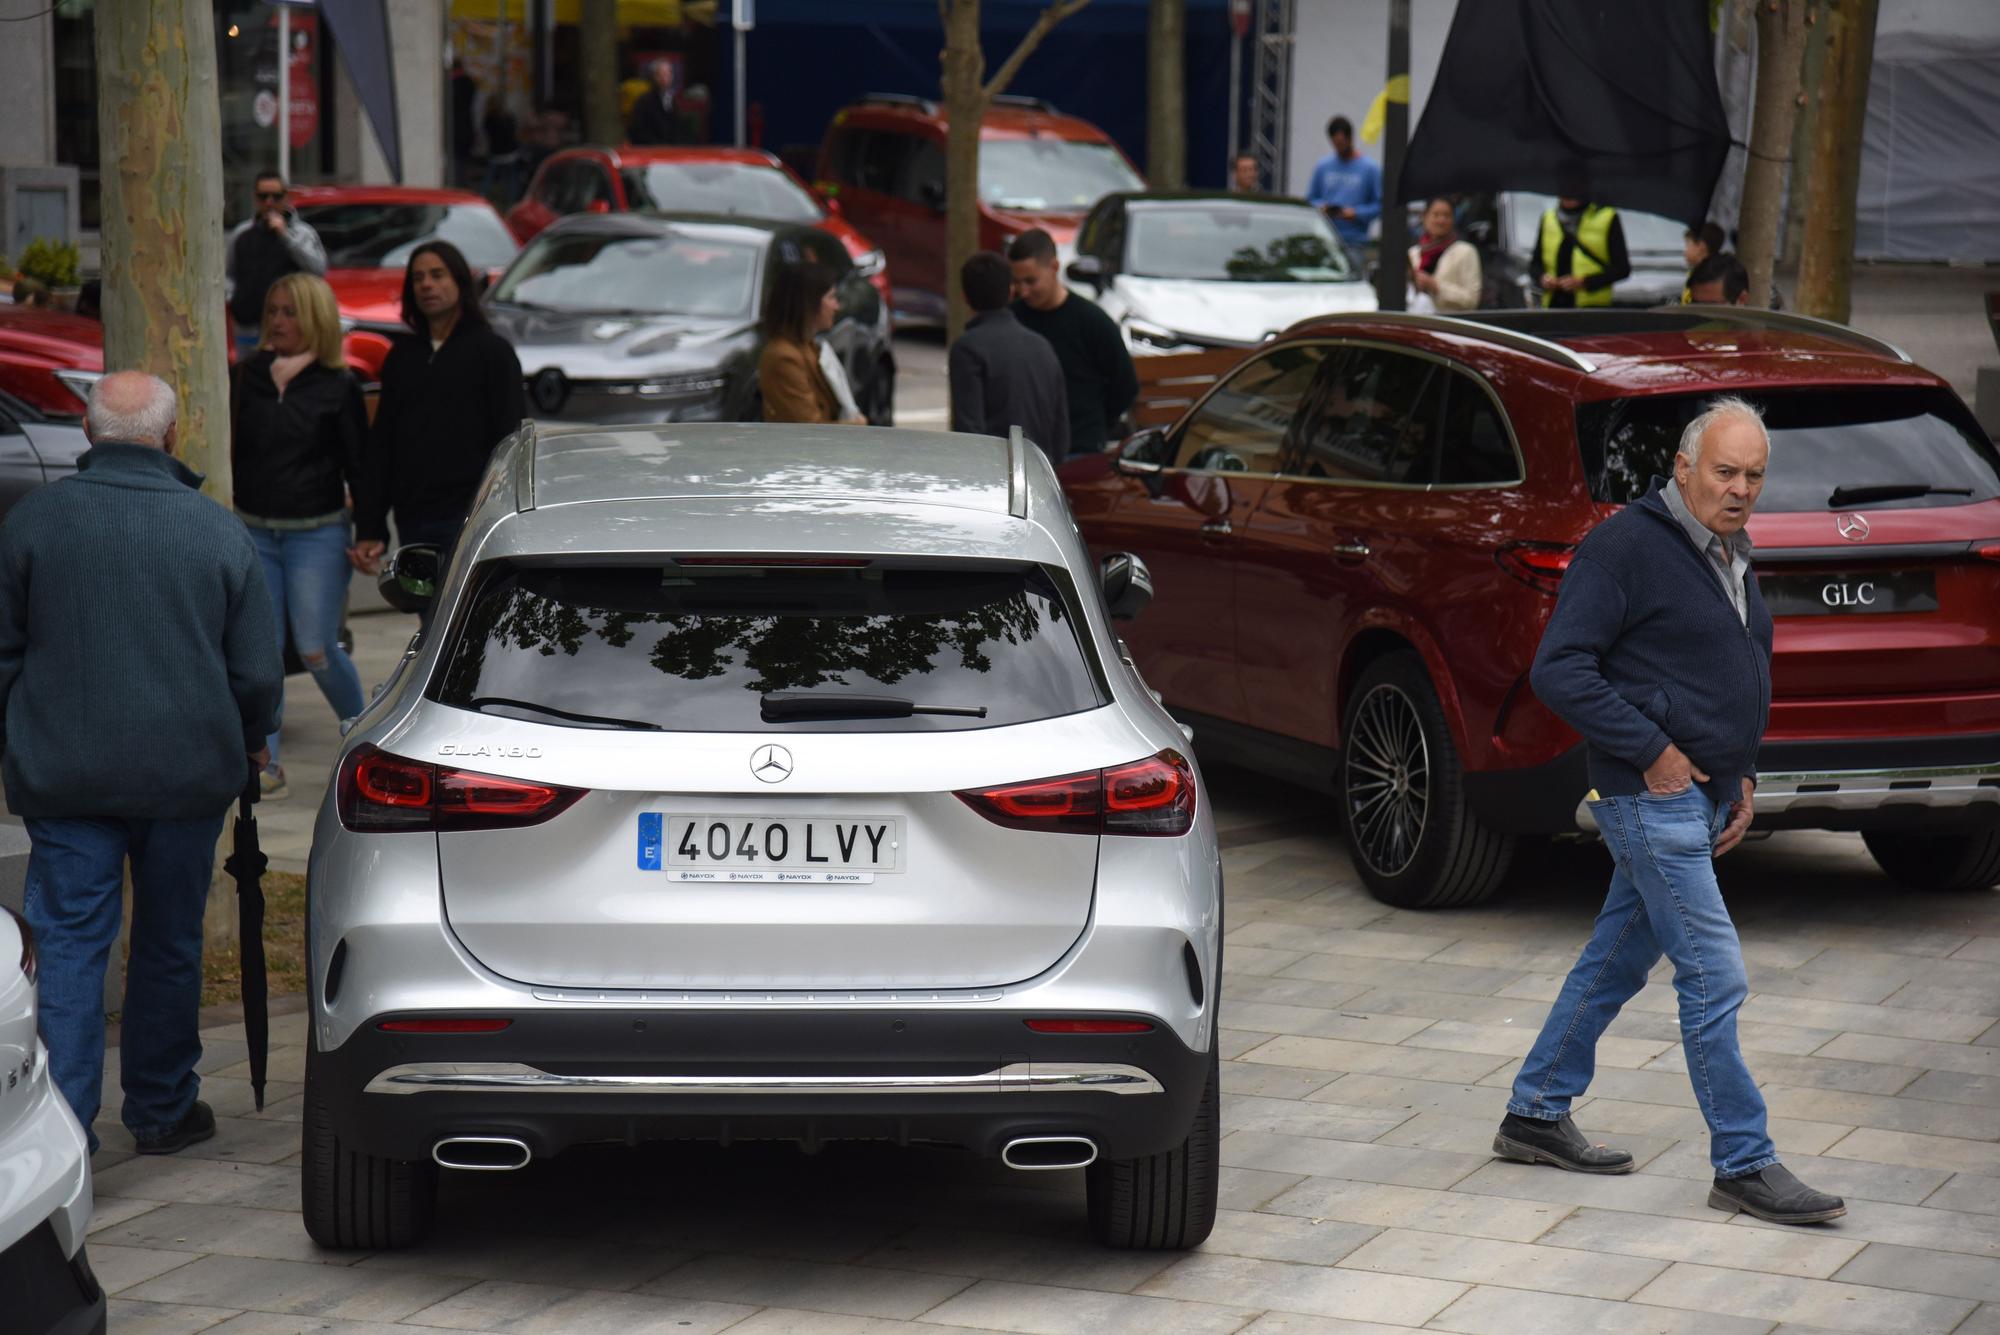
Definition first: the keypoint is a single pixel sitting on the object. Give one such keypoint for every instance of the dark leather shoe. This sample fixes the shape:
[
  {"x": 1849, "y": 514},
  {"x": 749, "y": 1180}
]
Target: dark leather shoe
[
  {"x": 1773, "y": 1193},
  {"x": 1530, "y": 1140},
  {"x": 198, "y": 1125}
]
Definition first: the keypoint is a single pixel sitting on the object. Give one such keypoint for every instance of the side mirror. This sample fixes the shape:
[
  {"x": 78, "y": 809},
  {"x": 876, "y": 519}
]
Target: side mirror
[
  {"x": 1088, "y": 269},
  {"x": 598, "y": 206},
  {"x": 1144, "y": 453},
  {"x": 832, "y": 206},
  {"x": 932, "y": 194},
  {"x": 409, "y": 578},
  {"x": 1128, "y": 585}
]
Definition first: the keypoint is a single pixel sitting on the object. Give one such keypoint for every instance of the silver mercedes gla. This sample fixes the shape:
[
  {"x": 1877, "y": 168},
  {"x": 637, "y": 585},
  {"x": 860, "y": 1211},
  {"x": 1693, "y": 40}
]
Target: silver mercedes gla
[{"x": 761, "y": 782}]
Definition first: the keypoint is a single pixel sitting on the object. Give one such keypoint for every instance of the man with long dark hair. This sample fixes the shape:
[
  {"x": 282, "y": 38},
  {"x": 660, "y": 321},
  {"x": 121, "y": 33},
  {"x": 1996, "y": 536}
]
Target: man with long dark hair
[{"x": 451, "y": 391}]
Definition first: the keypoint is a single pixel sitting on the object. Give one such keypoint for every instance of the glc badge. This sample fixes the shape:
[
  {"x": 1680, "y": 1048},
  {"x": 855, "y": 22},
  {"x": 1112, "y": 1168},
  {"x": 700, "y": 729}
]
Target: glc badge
[
  {"x": 1852, "y": 527},
  {"x": 772, "y": 764}
]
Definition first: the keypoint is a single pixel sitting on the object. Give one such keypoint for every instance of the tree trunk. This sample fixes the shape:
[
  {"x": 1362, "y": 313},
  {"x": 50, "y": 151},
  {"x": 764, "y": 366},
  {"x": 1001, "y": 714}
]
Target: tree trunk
[
  {"x": 1812, "y": 83},
  {"x": 1781, "y": 41},
  {"x": 598, "y": 63},
  {"x": 1166, "y": 94},
  {"x": 160, "y": 140},
  {"x": 1826, "y": 259}
]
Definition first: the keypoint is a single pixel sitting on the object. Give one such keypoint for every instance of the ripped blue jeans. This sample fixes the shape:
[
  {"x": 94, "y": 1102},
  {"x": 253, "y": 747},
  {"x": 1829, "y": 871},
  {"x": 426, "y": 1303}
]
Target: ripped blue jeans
[{"x": 1663, "y": 900}]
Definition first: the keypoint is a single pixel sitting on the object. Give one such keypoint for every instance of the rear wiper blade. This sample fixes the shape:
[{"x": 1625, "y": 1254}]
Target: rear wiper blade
[
  {"x": 1890, "y": 491},
  {"x": 798, "y": 706},
  {"x": 481, "y": 703}
]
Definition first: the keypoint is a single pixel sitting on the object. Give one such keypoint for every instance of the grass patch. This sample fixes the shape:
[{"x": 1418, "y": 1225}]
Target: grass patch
[{"x": 284, "y": 945}]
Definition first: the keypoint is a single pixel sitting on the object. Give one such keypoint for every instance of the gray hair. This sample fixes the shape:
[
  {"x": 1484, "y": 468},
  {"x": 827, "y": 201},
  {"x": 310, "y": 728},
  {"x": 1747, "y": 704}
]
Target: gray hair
[
  {"x": 133, "y": 407},
  {"x": 1717, "y": 410}
]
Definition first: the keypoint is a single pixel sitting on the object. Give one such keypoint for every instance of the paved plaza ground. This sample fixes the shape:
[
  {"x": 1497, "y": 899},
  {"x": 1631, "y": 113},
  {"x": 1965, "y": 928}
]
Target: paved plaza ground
[{"x": 1368, "y": 1051}]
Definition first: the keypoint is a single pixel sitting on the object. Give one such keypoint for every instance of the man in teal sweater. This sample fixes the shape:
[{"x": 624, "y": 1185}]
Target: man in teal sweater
[{"x": 139, "y": 676}]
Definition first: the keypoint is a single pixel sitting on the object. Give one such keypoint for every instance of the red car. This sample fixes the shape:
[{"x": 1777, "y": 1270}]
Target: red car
[
  {"x": 1358, "y": 534},
  {"x": 744, "y": 182},
  {"x": 369, "y": 232},
  {"x": 49, "y": 359},
  {"x": 883, "y": 161}
]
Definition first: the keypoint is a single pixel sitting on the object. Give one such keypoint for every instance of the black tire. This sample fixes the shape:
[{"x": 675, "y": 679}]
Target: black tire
[
  {"x": 354, "y": 1200},
  {"x": 1955, "y": 861},
  {"x": 1166, "y": 1201},
  {"x": 881, "y": 409},
  {"x": 1410, "y": 830}
]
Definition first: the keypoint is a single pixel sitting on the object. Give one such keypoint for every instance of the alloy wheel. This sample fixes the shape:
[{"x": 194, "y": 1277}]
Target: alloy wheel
[{"x": 1388, "y": 785}]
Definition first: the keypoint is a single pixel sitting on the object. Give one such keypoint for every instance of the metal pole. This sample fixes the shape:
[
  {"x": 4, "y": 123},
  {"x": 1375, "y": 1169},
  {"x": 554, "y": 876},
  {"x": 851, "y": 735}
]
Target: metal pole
[
  {"x": 742, "y": 93},
  {"x": 1235, "y": 98},
  {"x": 1390, "y": 262},
  {"x": 285, "y": 93}
]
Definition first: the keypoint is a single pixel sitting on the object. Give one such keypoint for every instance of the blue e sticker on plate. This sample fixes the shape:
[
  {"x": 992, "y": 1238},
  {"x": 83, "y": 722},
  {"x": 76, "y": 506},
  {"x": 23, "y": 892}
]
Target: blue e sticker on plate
[{"x": 650, "y": 839}]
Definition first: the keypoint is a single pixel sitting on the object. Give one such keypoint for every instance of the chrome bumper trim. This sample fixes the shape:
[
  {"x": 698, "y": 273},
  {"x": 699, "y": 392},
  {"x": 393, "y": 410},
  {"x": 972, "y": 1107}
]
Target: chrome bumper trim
[
  {"x": 1864, "y": 790},
  {"x": 516, "y": 1077}
]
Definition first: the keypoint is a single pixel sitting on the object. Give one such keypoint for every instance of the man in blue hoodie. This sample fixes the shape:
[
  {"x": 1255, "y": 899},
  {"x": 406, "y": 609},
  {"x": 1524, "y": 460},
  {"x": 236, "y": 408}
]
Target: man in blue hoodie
[
  {"x": 1659, "y": 653},
  {"x": 1347, "y": 187},
  {"x": 139, "y": 676}
]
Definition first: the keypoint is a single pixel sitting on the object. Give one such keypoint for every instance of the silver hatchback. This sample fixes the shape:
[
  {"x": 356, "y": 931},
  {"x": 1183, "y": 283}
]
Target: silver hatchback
[{"x": 761, "y": 782}]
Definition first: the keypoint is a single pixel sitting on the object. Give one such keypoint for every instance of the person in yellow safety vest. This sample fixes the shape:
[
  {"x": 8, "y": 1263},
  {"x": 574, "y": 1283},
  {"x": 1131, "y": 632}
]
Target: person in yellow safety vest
[{"x": 1579, "y": 254}]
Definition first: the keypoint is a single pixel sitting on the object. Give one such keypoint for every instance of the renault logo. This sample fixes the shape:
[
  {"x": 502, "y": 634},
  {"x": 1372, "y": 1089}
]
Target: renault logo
[
  {"x": 1852, "y": 527},
  {"x": 772, "y": 764}
]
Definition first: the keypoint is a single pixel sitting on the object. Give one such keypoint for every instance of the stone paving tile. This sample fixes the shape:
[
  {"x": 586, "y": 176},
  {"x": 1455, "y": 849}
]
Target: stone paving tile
[
  {"x": 1980, "y": 949},
  {"x": 1474, "y": 1135},
  {"x": 1335, "y": 1054},
  {"x": 130, "y": 1318},
  {"x": 1889, "y": 1021},
  {"x": 1897, "y": 1184},
  {"x": 1257, "y": 961},
  {"x": 1354, "y": 970},
  {"x": 298, "y": 1287},
  {"x": 567, "y": 1262},
  {"x": 1924, "y": 1117},
  {"x": 1513, "y": 1264},
  {"x": 1497, "y": 1311},
  {"x": 1315, "y": 1290},
  {"x": 110, "y": 1211},
  {"x": 1066, "y": 1260},
  {"x": 546, "y": 1309},
  {"x": 1958, "y": 999},
  {"x": 120, "y": 1268},
  {"x": 1837, "y": 1306},
  {"x": 1985, "y": 1320},
  {"x": 1348, "y": 1022},
  {"x": 228, "y": 1230},
  {"x": 1451, "y": 1212},
  {"x": 1800, "y": 1252},
  {"x": 1250, "y": 1188},
  {"x": 1921, "y": 1270},
  {"x": 782, "y": 1321},
  {"x": 1957, "y": 1087},
  {"x": 1367, "y": 942},
  {"x": 853, "y": 1289},
  {"x": 1359, "y": 1091},
  {"x": 201, "y": 1182},
  {"x": 1281, "y": 1237},
  {"x": 1622, "y": 1117},
  {"x": 1505, "y": 1041},
  {"x": 1035, "y": 1309},
  {"x": 1912, "y": 1226},
  {"x": 291, "y": 1323},
  {"x": 1339, "y": 1158},
  {"x": 1296, "y": 1117},
  {"x": 1449, "y": 1006},
  {"x": 1233, "y": 1043},
  {"x": 1967, "y": 1191},
  {"x": 1297, "y": 1323},
  {"x": 1260, "y": 1079},
  {"x": 1640, "y": 1193},
  {"x": 1957, "y": 1155},
  {"x": 1811, "y": 1072}
]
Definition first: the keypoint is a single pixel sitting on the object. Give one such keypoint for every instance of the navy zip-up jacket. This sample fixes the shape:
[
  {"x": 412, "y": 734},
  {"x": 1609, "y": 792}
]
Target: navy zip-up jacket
[{"x": 1645, "y": 648}]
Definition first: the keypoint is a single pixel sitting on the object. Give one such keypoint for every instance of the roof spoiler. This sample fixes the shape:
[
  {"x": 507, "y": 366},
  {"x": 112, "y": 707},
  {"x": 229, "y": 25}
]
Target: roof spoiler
[{"x": 1017, "y": 472}]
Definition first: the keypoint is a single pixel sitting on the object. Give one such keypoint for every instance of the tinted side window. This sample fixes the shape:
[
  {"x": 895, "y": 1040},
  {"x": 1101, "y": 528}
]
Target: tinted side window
[
  {"x": 694, "y": 650},
  {"x": 878, "y": 159},
  {"x": 1473, "y": 446},
  {"x": 595, "y": 186},
  {"x": 553, "y": 186},
  {"x": 922, "y": 163},
  {"x": 841, "y": 155},
  {"x": 1242, "y": 426},
  {"x": 1372, "y": 418}
]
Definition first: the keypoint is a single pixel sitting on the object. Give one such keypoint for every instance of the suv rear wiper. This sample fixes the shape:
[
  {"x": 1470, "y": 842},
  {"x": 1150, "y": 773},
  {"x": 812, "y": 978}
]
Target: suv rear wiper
[
  {"x": 1890, "y": 491},
  {"x": 798, "y": 706},
  {"x": 592, "y": 720}
]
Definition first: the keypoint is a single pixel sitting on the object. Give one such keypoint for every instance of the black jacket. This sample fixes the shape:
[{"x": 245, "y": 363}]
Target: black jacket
[
  {"x": 653, "y": 122},
  {"x": 439, "y": 417},
  {"x": 1098, "y": 371},
  {"x": 294, "y": 457},
  {"x": 1004, "y": 375}
]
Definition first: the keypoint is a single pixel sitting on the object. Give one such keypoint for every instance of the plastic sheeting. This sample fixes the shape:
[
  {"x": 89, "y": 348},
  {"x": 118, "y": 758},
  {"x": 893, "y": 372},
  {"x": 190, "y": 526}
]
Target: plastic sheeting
[{"x": 1930, "y": 157}]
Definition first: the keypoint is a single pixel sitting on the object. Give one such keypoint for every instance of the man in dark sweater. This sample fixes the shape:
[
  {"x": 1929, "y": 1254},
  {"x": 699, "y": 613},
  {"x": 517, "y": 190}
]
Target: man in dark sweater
[
  {"x": 1096, "y": 368},
  {"x": 1659, "y": 653},
  {"x": 451, "y": 391},
  {"x": 139, "y": 674},
  {"x": 1001, "y": 375},
  {"x": 271, "y": 243}
]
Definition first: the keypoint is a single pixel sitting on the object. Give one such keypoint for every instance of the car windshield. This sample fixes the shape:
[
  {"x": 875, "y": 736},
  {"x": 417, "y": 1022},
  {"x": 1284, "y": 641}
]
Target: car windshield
[
  {"x": 1645, "y": 233},
  {"x": 1244, "y": 243},
  {"x": 1921, "y": 441},
  {"x": 382, "y": 236},
  {"x": 720, "y": 187},
  {"x": 670, "y": 274},
  {"x": 700, "y": 648},
  {"x": 1051, "y": 175}
]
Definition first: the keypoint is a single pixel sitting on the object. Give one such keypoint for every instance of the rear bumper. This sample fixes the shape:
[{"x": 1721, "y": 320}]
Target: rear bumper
[{"x": 553, "y": 1081}]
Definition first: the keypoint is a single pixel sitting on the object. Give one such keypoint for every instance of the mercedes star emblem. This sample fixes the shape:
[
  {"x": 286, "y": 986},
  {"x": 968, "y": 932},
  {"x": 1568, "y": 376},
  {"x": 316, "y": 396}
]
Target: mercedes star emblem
[
  {"x": 772, "y": 764},
  {"x": 1852, "y": 527}
]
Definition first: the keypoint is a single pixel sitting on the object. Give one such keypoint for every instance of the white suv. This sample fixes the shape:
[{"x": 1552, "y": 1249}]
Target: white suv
[{"x": 765, "y": 782}]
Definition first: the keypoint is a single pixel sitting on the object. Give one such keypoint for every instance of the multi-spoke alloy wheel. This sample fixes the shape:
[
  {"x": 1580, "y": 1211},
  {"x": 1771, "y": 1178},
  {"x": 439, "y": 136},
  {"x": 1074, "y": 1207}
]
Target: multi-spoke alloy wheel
[{"x": 1388, "y": 779}]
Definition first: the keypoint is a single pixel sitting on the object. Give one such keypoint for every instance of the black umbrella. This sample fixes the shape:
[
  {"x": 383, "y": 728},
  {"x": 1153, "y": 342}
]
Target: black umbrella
[{"x": 246, "y": 862}]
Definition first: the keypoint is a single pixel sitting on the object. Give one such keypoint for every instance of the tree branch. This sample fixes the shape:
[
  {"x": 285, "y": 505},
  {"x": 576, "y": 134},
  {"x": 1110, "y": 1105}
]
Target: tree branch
[{"x": 1047, "y": 20}]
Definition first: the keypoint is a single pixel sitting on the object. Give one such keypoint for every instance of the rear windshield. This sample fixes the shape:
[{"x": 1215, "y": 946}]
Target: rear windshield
[
  {"x": 696, "y": 649},
  {"x": 1822, "y": 440}
]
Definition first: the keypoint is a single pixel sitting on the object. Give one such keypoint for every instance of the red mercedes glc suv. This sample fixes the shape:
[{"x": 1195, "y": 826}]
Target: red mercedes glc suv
[{"x": 1358, "y": 532}]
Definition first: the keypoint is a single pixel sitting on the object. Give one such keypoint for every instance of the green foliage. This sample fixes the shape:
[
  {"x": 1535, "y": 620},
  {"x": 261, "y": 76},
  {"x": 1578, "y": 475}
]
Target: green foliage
[{"x": 53, "y": 262}]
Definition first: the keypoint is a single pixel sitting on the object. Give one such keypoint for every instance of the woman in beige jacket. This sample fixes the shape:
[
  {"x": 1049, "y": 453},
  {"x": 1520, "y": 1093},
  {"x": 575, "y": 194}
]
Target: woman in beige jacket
[{"x": 1445, "y": 274}]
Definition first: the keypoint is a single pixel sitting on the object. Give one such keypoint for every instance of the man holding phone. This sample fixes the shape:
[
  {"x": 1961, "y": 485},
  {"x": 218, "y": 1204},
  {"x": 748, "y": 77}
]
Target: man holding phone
[{"x": 270, "y": 243}]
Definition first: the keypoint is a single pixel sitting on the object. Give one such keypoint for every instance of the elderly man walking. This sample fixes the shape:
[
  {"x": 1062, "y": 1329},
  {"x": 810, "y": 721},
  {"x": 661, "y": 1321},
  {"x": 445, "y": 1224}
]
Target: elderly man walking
[
  {"x": 1659, "y": 653},
  {"x": 139, "y": 675}
]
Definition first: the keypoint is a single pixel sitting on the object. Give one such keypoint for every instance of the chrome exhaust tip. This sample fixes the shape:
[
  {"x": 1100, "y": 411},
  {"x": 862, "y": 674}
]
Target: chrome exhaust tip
[
  {"x": 482, "y": 1154},
  {"x": 1046, "y": 1154}
]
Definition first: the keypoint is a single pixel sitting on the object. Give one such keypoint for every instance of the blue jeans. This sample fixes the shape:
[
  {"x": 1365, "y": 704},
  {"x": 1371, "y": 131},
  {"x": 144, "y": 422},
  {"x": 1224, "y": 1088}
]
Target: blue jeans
[
  {"x": 75, "y": 899},
  {"x": 307, "y": 572},
  {"x": 1663, "y": 899}
]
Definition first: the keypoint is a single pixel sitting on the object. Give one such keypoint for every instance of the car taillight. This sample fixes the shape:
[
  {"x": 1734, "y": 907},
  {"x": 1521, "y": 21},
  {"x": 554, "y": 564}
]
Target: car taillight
[
  {"x": 1987, "y": 551},
  {"x": 1154, "y": 796},
  {"x": 1539, "y": 565},
  {"x": 380, "y": 793}
]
